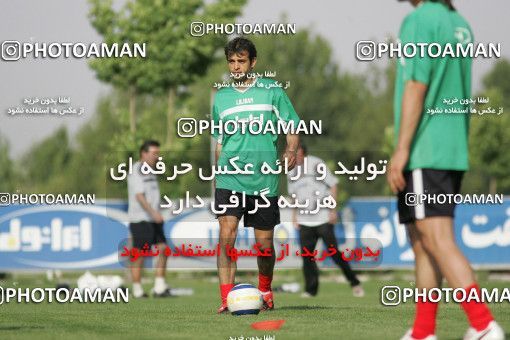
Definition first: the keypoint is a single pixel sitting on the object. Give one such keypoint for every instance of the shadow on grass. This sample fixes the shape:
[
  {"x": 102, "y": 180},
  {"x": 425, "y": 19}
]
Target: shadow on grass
[
  {"x": 17, "y": 328},
  {"x": 507, "y": 336},
  {"x": 304, "y": 308}
]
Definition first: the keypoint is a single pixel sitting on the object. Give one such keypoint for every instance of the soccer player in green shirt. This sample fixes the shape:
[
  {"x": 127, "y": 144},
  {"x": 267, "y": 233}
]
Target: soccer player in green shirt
[
  {"x": 430, "y": 158},
  {"x": 247, "y": 99}
]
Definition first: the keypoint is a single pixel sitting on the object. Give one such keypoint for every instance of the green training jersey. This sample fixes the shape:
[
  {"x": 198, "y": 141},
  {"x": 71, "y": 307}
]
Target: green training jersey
[
  {"x": 261, "y": 101},
  {"x": 441, "y": 139}
]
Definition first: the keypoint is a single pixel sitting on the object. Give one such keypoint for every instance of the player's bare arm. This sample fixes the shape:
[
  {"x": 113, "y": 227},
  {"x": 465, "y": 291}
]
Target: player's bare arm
[
  {"x": 294, "y": 219},
  {"x": 412, "y": 106},
  {"x": 333, "y": 216},
  {"x": 291, "y": 150},
  {"x": 217, "y": 152}
]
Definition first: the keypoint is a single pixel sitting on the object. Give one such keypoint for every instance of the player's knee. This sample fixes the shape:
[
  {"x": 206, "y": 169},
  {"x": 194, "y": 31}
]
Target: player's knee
[
  {"x": 428, "y": 243},
  {"x": 418, "y": 246},
  {"x": 264, "y": 243},
  {"x": 436, "y": 245},
  {"x": 228, "y": 233}
]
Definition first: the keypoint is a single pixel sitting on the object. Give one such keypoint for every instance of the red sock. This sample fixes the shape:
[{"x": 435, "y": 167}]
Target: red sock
[
  {"x": 225, "y": 289},
  {"x": 477, "y": 313},
  {"x": 425, "y": 320},
  {"x": 265, "y": 282}
]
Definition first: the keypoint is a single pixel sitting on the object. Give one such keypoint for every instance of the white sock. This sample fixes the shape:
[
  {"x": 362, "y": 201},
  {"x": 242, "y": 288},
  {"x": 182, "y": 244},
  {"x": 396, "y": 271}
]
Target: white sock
[
  {"x": 159, "y": 285},
  {"x": 137, "y": 289}
]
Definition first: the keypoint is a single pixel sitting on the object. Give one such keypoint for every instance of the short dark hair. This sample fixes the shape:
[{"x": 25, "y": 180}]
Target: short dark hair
[
  {"x": 147, "y": 144},
  {"x": 448, "y": 3},
  {"x": 239, "y": 45}
]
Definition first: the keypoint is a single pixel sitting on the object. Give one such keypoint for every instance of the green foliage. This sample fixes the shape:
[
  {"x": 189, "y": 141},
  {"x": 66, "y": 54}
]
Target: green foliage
[
  {"x": 89, "y": 167},
  {"x": 490, "y": 141},
  {"x": 498, "y": 77},
  {"x": 174, "y": 56},
  {"x": 7, "y": 171},
  {"x": 490, "y": 135},
  {"x": 44, "y": 163}
]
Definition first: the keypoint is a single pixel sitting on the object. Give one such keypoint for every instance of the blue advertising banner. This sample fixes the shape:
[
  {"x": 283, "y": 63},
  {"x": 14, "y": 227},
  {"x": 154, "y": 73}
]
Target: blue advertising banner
[
  {"x": 61, "y": 236},
  {"x": 81, "y": 236},
  {"x": 482, "y": 231}
]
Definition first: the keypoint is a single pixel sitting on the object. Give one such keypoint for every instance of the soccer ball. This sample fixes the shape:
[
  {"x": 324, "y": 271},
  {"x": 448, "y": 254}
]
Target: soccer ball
[{"x": 244, "y": 299}]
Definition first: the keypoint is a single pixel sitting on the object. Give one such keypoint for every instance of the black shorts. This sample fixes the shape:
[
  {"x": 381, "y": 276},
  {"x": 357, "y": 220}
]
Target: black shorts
[
  {"x": 414, "y": 202},
  {"x": 263, "y": 218},
  {"x": 146, "y": 232}
]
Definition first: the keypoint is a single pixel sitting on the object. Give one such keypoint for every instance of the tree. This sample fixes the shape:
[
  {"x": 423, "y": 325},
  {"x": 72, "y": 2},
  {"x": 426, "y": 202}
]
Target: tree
[
  {"x": 44, "y": 164},
  {"x": 499, "y": 77},
  {"x": 174, "y": 57},
  {"x": 95, "y": 153},
  {"x": 123, "y": 73},
  {"x": 7, "y": 171},
  {"x": 490, "y": 133}
]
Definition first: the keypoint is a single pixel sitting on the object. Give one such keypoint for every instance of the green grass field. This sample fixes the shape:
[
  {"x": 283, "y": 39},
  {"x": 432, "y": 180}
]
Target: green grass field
[{"x": 333, "y": 314}]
